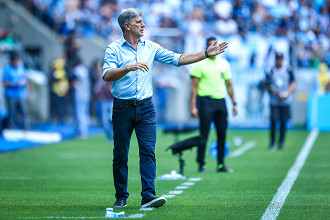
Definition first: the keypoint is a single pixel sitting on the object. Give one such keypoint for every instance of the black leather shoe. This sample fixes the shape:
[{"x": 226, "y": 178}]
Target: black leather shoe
[
  {"x": 120, "y": 203},
  {"x": 201, "y": 169},
  {"x": 272, "y": 147},
  {"x": 153, "y": 202},
  {"x": 280, "y": 146},
  {"x": 225, "y": 170}
]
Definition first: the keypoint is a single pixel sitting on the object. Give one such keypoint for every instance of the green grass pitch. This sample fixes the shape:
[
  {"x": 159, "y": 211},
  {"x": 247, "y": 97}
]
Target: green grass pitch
[{"x": 73, "y": 179}]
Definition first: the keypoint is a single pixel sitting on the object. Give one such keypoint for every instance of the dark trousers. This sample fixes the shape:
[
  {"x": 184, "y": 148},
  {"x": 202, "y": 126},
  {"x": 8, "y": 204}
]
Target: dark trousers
[
  {"x": 18, "y": 107},
  {"x": 59, "y": 109},
  {"x": 212, "y": 110},
  {"x": 127, "y": 117},
  {"x": 281, "y": 114}
]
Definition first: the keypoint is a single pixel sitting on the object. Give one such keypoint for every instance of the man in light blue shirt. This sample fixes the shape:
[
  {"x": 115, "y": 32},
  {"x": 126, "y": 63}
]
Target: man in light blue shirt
[{"x": 128, "y": 63}]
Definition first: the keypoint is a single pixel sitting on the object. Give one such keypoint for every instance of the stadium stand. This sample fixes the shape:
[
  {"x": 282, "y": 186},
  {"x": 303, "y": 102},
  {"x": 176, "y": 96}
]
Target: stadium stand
[{"x": 253, "y": 28}]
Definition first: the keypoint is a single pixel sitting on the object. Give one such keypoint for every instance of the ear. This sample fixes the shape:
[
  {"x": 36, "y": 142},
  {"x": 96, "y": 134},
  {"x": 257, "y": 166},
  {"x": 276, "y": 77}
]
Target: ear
[{"x": 127, "y": 27}]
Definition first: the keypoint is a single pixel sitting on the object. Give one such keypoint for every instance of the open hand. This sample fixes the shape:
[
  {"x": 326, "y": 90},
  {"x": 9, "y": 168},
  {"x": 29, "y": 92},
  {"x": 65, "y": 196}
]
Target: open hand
[{"x": 216, "y": 48}]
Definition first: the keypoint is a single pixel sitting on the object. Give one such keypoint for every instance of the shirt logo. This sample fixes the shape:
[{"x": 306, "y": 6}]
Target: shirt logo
[{"x": 222, "y": 75}]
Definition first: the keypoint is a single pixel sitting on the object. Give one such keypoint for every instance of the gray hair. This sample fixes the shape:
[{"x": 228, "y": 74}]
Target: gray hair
[{"x": 127, "y": 15}]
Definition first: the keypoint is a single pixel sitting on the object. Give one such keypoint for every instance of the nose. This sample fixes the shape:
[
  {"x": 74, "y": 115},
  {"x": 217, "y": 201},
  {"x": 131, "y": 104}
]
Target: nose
[{"x": 143, "y": 24}]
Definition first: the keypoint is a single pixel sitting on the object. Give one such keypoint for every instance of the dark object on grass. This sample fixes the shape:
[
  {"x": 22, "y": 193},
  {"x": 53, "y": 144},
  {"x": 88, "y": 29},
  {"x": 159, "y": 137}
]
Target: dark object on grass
[
  {"x": 179, "y": 128},
  {"x": 181, "y": 146}
]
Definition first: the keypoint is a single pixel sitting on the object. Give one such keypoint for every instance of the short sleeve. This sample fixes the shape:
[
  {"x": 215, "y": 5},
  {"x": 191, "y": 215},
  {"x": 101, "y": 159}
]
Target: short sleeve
[
  {"x": 227, "y": 70},
  {"x": 196, "y": 71},
  {"x": 110, "y": 60},
  {"x": 291, "y": 75}
]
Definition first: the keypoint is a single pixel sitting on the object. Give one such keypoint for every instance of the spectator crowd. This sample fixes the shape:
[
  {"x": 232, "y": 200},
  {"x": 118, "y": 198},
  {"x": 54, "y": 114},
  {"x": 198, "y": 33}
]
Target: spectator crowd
[
  {"x": 300, "y": 24},
  {"x": 297, "y": 28}
]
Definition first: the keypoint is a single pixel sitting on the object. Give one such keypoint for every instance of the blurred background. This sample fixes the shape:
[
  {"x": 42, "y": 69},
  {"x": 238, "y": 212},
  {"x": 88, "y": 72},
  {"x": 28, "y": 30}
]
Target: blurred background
[{"x": 53, "y": 37}]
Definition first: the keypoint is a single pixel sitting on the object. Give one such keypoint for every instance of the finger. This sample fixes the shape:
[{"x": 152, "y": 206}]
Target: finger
[
  {"x": 143, "y": 69},
  {"x": 145, "y": 66},
  {"x": 221, "y": 51},
  {"x": 223, "y": 44},
  {"x": 142, "y": 66},
  {"x": 215, "y": 43}
]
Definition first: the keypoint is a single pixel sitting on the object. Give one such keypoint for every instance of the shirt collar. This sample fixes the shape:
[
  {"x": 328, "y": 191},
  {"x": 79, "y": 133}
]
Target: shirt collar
[
  {"x": 122, "y": 41},
  {"x": 212, "y": 60}
]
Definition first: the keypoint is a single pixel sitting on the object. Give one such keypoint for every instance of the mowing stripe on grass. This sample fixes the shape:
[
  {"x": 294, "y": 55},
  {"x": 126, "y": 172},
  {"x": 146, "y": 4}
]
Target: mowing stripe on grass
[
  {"x": 66, "y": 217},
  {"x": 75, "y": 156},
  {"x": 243, "y": 149},
  {"x": 14, "y": 178},
  {"x": 274, "y": 208},
  {"x": 61, "y": 217}
]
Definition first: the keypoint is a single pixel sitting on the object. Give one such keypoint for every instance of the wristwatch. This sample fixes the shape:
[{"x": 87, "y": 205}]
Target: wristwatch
[
  {"x": 206, "y": 54},
  {"x": 285, "y": 94}
]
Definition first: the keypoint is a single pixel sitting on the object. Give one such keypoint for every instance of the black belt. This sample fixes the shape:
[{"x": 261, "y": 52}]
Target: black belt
[{"x": 133, "y": 102}]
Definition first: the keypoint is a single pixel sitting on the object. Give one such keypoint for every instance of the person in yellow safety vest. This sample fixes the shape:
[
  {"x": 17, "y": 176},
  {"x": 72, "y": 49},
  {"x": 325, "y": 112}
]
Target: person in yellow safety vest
[{"x": 59, "y": 89}]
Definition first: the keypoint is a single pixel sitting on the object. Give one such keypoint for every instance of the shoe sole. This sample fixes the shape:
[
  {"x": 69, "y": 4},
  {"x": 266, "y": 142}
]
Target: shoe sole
[
  {"x": 119, "y": 206},
  {"x": 156, "y": 203},
  {"x": 225, "y": 171}
]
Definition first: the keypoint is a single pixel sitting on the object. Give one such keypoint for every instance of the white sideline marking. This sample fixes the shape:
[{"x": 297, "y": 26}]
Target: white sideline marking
[
  {"x": 195, "y": 179},
  {"x": 168, "y": 196},
  {"x": 182, "y": 187},
  {"x": 188, "y": 184},
  {"x": 243, "y": 149},
  {"x": 147, "y": 209},
  {"x": 136, "y": 216},
  {"x": 175, "y": 192},
  {"x": 274, "y": 208},
  {"x": 14, "y": 178}
]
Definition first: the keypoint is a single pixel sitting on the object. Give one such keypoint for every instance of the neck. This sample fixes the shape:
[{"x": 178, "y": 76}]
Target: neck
[{"x": 131, "y": 39}]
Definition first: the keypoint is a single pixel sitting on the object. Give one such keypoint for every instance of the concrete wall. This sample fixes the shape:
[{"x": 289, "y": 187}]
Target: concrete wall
[{"x": 30, "y": 31}]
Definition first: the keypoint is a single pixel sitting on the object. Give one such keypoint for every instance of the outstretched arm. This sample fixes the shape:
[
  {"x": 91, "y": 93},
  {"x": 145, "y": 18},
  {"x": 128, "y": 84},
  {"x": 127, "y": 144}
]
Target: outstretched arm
[{"x": 213, "y": 50}]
